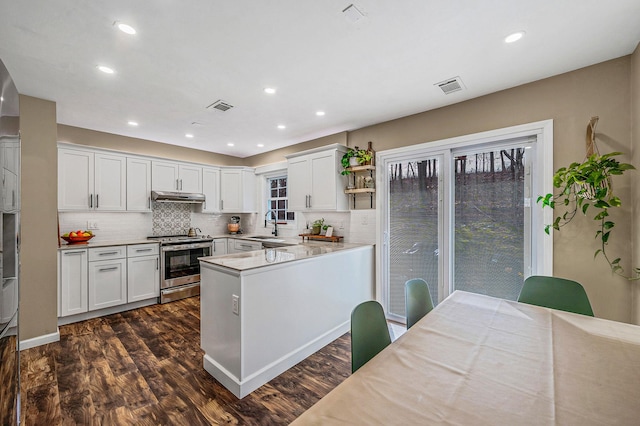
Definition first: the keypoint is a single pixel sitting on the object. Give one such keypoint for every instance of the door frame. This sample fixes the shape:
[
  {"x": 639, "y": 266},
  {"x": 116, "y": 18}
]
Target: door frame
[{"x": 542, "y": 183}]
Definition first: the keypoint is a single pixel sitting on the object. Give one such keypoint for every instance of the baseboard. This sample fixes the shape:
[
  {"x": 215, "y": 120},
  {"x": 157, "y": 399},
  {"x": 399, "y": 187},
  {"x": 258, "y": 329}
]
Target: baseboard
[
  {"x": 40, "y": 340},
  {"x": 242, "y": 388}
]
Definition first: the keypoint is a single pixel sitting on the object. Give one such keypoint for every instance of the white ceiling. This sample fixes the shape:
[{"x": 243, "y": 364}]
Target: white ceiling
[{"x": 189, "y": 53}]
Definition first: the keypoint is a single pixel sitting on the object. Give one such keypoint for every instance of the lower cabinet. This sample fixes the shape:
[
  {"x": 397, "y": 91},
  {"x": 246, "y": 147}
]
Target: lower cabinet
[
  {"x": 219, "y": 246},
  {"x": 239, "y": 246},
  {"x": 73, "y": 282},
  {"x": 107, "y": 283},
  {"x": 102, "y": 277},
  {"x": 143, "y": 275}
]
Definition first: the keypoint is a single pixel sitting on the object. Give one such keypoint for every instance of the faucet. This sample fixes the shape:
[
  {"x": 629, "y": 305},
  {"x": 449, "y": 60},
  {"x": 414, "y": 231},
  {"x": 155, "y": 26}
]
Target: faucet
[{"x": 275, "y": 222}]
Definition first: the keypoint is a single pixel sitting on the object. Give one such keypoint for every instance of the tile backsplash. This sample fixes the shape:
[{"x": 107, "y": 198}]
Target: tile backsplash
[{"x": 171, "y": 218}]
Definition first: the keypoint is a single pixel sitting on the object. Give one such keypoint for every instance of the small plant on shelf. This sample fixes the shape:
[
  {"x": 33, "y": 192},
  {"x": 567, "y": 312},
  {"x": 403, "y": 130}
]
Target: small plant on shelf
[{"x": 355, "y": 157}]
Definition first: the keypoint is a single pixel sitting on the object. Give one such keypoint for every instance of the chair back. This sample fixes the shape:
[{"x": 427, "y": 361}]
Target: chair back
[
  {"x": 369, "y": 333},
  {"x": 418, "y": 302},
  {"x": 555, "y": 293}
]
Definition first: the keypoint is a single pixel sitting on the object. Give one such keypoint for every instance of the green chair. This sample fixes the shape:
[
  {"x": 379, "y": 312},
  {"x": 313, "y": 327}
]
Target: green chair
[
  {"x": 417, "y": 298},
  {"x": 555, "y": 293},
  {"x": 369, "y": 333}
]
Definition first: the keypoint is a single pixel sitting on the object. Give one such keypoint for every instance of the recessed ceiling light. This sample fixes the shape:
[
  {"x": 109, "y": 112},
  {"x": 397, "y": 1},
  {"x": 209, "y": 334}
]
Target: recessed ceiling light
[
  {"x": 105, "y": 69},
  {"x": 320, "y": 113},
  {"x": 269, "y": 90},
  {"x": 229, "y": 144},
  {"x": 1, "y": 98},
  {"x": 514, "y": 37},
  {"x": 260, "y": 145},
  {"x": 128, "y": 29},
  {"x": 132, "y": 123},
  {"x": 188, "y": 135},
  {"x": 281, "y": 126}
]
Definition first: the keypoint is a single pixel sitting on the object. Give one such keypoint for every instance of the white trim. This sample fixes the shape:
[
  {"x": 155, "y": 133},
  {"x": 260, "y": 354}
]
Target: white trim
[
  {"x": 40, "y": 340},
  {"x": 272, "y": 168},
  {"x": 542, "y": 244}
]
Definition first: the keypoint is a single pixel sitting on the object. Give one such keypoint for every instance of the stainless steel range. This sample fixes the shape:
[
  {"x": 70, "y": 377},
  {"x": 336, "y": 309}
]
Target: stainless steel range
[{"x": 179, "y": 265}]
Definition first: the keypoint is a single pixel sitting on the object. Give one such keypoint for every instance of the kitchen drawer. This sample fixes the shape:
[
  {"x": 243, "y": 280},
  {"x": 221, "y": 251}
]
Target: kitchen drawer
[
  {"x": 106, "y": 253},
  {"x": 143, "y": 250}
]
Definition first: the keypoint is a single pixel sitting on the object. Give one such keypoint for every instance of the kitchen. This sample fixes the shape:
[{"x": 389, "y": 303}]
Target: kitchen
[{"x": 567, "y": 98}]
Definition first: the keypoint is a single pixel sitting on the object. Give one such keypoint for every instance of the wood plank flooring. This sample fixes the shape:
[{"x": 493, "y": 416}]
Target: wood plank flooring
[{"x": 144, "y": 367}]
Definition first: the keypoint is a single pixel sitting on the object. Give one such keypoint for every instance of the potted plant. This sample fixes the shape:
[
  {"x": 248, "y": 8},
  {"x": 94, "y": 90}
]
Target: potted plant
[
  {"x": 355, "y": 157},
  {"x": 316, "y": 226},
  {"x": 588, "y": 185}
]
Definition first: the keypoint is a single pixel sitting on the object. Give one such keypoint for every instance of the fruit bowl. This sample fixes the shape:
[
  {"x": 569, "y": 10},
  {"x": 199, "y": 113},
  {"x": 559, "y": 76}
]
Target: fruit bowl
[{"x": 78, "y": 239}]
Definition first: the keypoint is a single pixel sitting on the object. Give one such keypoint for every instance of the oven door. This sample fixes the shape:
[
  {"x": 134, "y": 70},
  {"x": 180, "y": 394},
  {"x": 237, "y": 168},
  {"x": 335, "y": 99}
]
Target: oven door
[{"x": 180, "y": 263}]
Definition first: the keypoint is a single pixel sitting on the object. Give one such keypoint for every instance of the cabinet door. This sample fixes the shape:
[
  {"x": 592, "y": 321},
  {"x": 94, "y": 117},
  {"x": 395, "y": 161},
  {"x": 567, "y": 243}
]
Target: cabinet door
[
  {"x": 107, "y": 283},
  {"x": 211, "y": 190},
  {"x": 138, "y": 185},
  {"x": 219, "y": 247},
  {"x": 75, "y": 180},
  {"x": 73, "y": 282},
  {"x": 190, "y": 178},
  {"x": 164, "y": 176},
  {"x": 230, "y": 191},
  {"x": 143, "y": 278},
  {"x": 298, "y": 179},
  {"x": 323, "y": 177},
  {"x": 110, "y": 192}
]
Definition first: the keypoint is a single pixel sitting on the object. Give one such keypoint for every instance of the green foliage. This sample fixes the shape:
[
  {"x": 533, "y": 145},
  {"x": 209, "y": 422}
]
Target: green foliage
[
  {"x": 363, "y": 156},
  {"x": 588, "y": 185}
]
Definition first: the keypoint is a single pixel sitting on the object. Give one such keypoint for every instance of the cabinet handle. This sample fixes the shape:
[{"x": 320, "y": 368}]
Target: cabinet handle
[
  {"x": 90, "y": 201},
  {"x": 68, "y": 253},
  {"x": 113, "y": 268},
  {"x": 107, "y": 253},
  {"x": 309, "y": 201},
  {"x": 157, "y": 264},
  {"x": 221, "y": 205},
  {"x": 149, "y": 198},
  {"x": 177, "y": 184},
  {"x": 180, "y": 184},
  {"x": 141, "y": 250},
  {"x": 97, "y": 201}
]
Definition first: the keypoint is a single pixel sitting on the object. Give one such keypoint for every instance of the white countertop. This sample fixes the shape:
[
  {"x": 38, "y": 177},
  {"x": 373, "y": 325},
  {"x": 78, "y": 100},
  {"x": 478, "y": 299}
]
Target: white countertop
[{"x": 266, "y": 257}]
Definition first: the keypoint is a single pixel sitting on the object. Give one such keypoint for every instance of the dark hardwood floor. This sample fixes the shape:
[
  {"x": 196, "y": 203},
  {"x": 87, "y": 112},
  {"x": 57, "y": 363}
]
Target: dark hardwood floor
[{"x": 144, "y": 367}]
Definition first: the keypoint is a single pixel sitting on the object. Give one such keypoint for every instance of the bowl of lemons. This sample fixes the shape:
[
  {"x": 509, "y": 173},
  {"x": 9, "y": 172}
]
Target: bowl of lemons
[{"x": 77, "y": 237}]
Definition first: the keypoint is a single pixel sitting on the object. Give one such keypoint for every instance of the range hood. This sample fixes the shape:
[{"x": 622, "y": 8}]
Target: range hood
[{"x": 176, "y": 197}]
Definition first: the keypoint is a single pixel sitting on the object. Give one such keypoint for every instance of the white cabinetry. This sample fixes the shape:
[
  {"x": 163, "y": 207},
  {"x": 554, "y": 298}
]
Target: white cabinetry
[
  {"x": 211, "y": 189},
  {"x": 237, "y": 190},
  {"x": 219, "y": 247},
  {"x": 169, "y": 176},
  {"x": 73, "y": 282},
  {"x": 138, "y": 184},
  {"x": 91, "y": 181},
  {"x": 107, "y": 277},
  {"x": 143, "y": 272},
  {"x": 315, "y": 182}
]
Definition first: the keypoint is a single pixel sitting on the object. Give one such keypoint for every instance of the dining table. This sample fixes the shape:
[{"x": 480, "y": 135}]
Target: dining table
[{"x": 481, "y": 360}]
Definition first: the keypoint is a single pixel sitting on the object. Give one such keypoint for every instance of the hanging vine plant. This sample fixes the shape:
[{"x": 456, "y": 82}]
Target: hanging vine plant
[{"x": 587, "y": 188}]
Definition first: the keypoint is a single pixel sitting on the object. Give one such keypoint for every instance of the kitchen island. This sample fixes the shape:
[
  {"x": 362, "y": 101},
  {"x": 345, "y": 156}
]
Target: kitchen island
[{"x": 264, "y": 311}]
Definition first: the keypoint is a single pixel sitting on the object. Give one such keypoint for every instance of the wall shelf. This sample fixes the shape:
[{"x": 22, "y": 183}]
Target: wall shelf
[{"x": 368, "y": 169}]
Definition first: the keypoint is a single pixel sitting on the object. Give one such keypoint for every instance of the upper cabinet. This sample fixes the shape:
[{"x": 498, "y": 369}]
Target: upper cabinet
[
  {"x": 314, "y": 179},
  {"x": 237, "y": 190},
  {"x": 170, "y": 176},
  {"x": 91, "y": 181},
  {"x": 211, "y": 189},
  {"x": 138, "y": 184}
]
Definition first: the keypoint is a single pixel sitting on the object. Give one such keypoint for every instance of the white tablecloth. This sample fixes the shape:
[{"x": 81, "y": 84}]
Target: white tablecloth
[{"x": 478, "y": 360}]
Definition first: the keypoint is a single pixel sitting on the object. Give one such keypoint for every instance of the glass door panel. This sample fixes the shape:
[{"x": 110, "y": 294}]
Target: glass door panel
[
  {"x": 414, "y": 225},
  {"x": 491, "y": 221}
]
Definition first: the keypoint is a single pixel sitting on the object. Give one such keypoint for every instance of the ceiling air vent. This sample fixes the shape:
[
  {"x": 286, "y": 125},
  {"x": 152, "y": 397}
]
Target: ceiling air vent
[
  {"x": 220, "y": 105},
  {"x": 451, "y": 85}
]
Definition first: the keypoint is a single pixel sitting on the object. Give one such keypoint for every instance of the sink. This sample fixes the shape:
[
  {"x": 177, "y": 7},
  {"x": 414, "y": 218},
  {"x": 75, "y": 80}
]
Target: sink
[{"x": 264, "y": 238}]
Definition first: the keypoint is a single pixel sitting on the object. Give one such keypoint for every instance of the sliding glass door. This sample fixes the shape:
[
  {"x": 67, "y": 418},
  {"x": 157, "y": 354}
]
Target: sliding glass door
[
  {"x": 414, "y": 223},
  {"x": 460, "y": 217}
]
